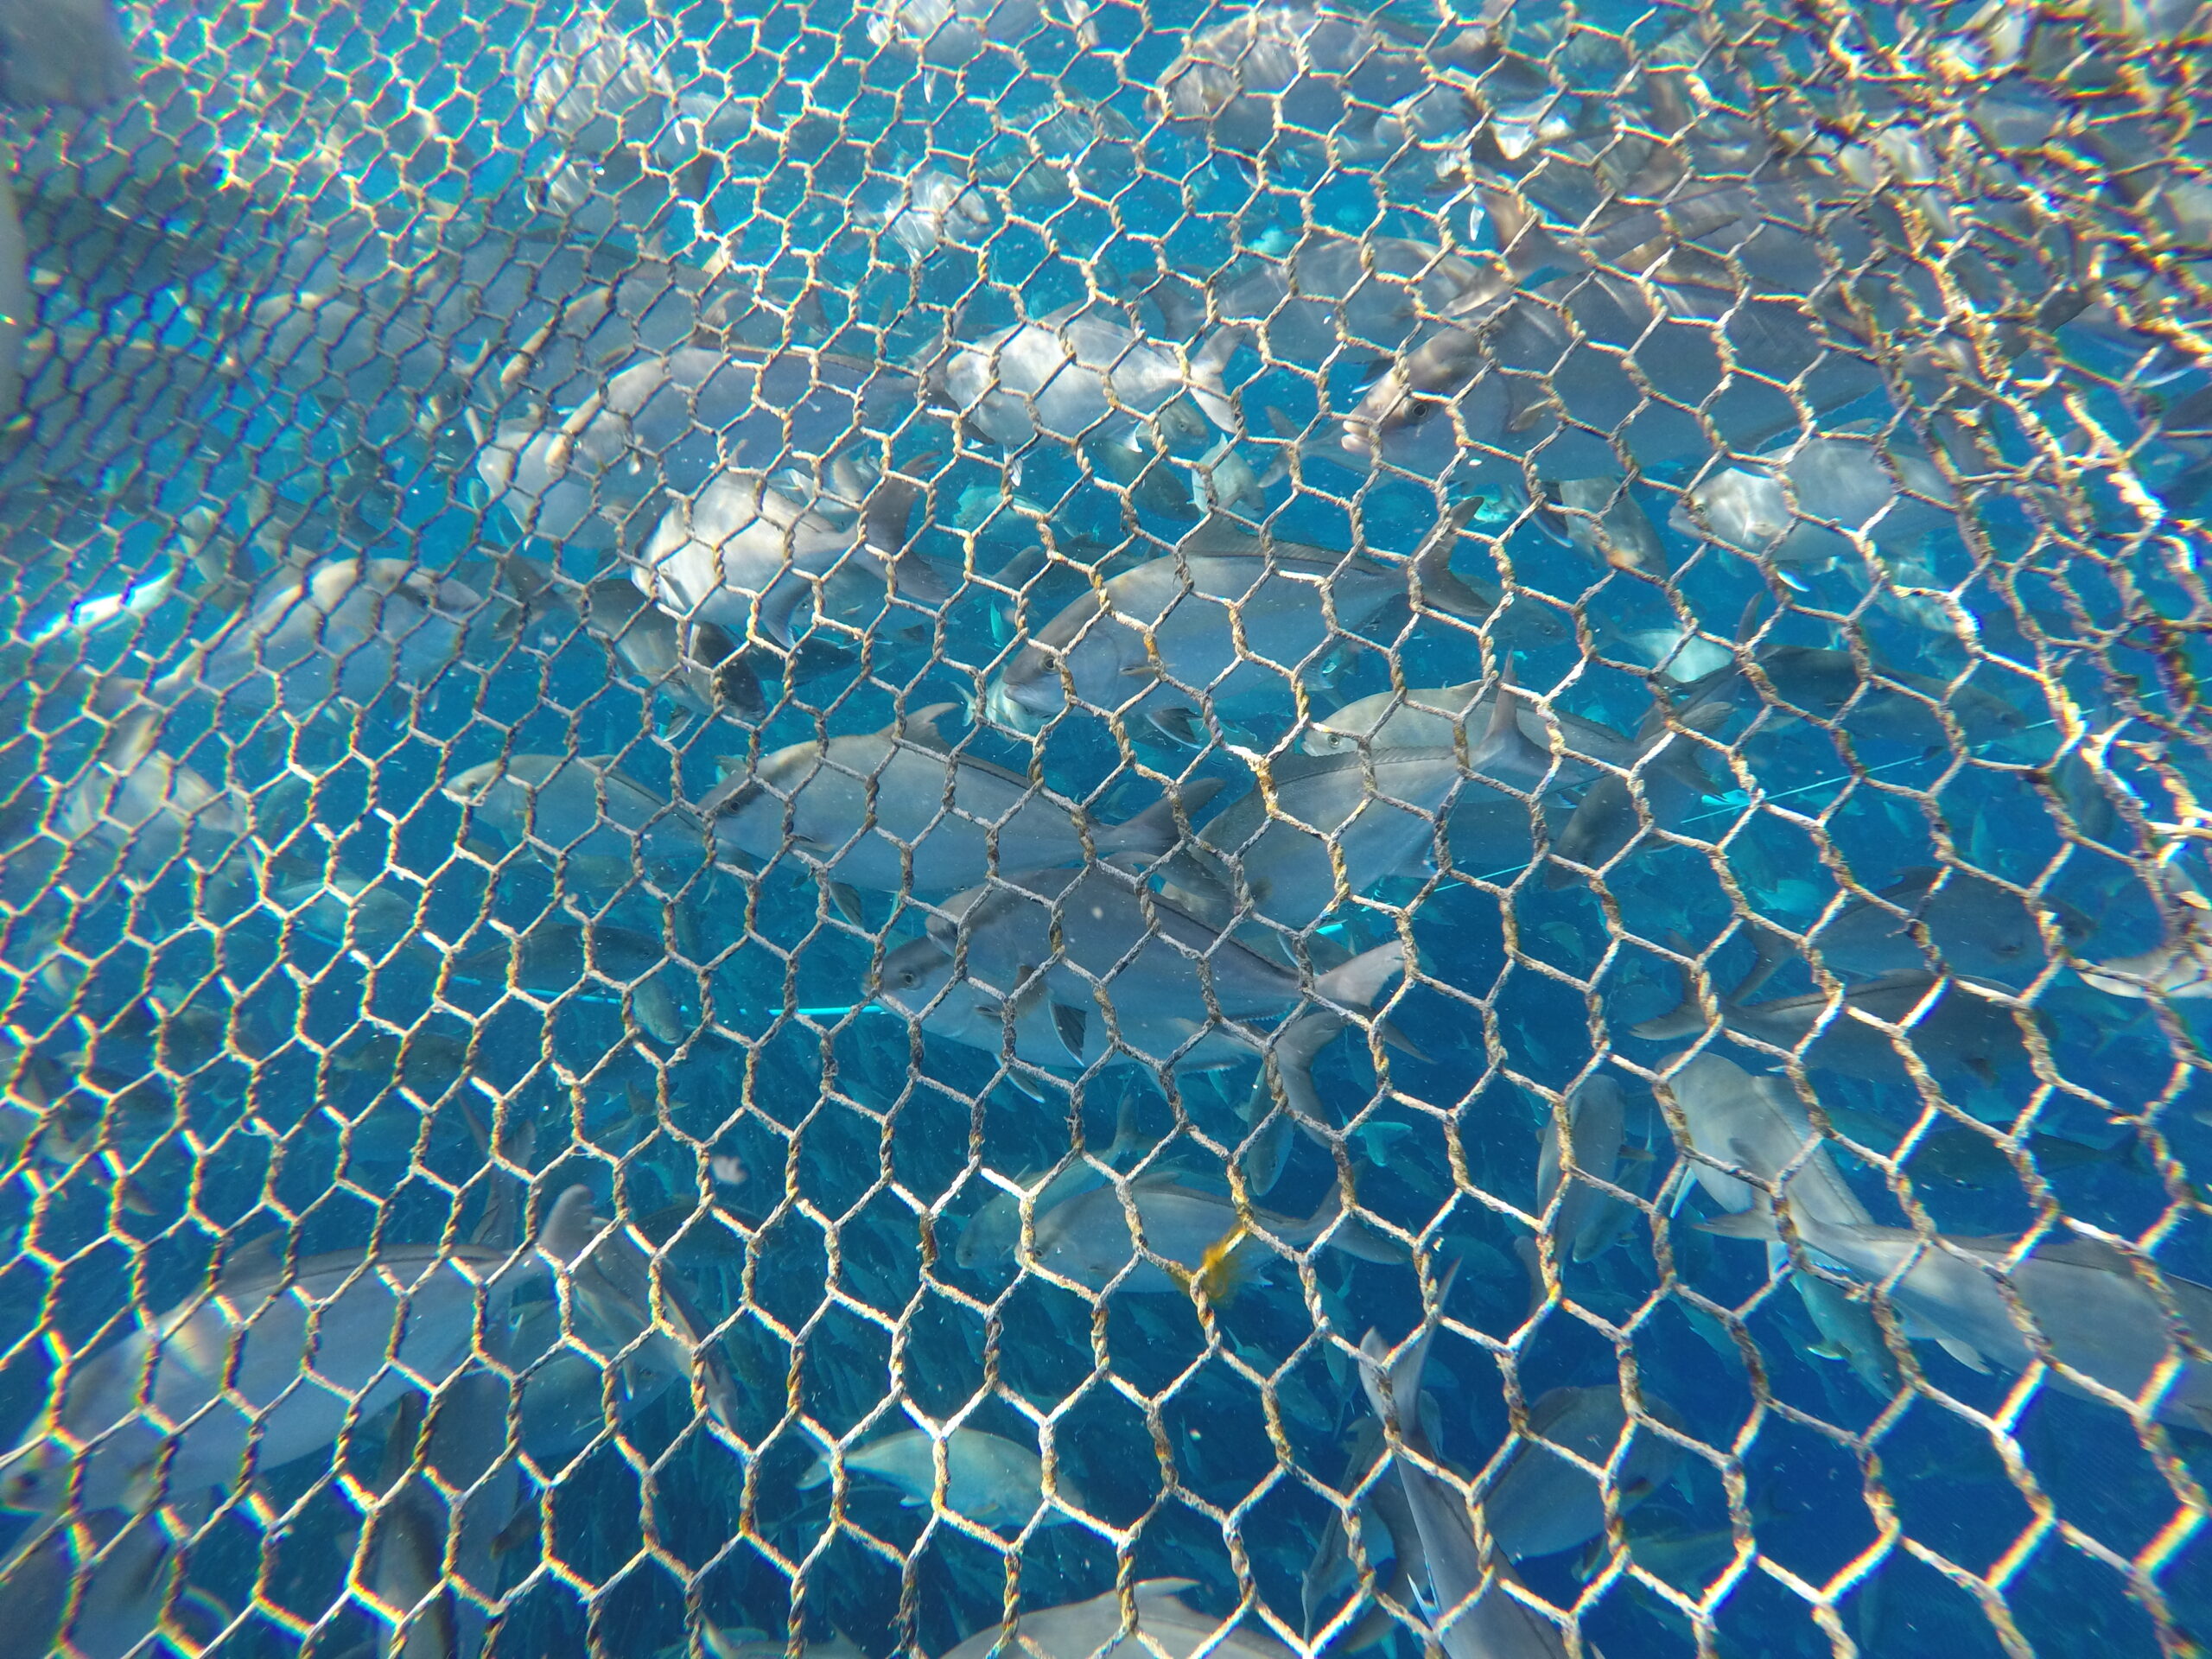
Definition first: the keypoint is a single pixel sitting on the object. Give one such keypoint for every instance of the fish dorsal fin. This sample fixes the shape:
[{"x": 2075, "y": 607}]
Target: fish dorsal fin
[
  {"x": 919, "y": 728},
  {"x": 1072, "y": 1025},
  {"x": 1550, "y": 1406},
  {"x": 256, "y": 1265},
  {"x": 1965, "y": 1352},
  {"x": 568, "y": 1226}
]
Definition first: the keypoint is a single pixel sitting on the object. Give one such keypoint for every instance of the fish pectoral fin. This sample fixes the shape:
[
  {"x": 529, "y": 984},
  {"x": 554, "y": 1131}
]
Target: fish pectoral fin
[
  {"x": 1073, "y": 1026},
  {"x": 1177, "y": 725},
  {"x": 1965, "y": 1352},
  {"x": 846, "y": 897}
]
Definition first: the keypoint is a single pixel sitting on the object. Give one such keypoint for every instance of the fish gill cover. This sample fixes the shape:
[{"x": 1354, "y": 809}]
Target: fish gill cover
[{"x": 1264, "y": 828}]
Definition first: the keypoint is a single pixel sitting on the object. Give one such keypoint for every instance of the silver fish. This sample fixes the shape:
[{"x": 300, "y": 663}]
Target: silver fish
[
  {"x": 104, "y": 1578},
  {"x": 1808, "y": 505},
  {"x": 1849, "y": 1333},
  {"x": 1172, "y": 616},
  {"x": 580, "y": 808},
  {"x": 1602, "y": 518},
  {"x": 1098, "y": 1629},
  {"x": 1270, "y": 850},
  {"x": 1481, "y": 1612},
  {"x": 1076, "y": 375},
  {"x": 1332, "y": 293},
  {"x": 350, "y": 628},
  {"x": 1757, "y": 1123},
  {"x": 594, "y": 476},
  {"x": 1892, "y": 705},
  {"x": 1949, "y": 1020},
  {"x": 952, "y": 33},
  {"x": 1436, "y": 717},
  {"x": 1668, "y": 766},
  {"x": 989, "y": 1478},
  {"x": 226, "y": 1366},
  {"x": 618, "y": 133},
  {"x": 1091, "y": 963},
  {"x": 1087, "y": 1238},
  {"x": 697, "y": 668},
  {"x": 2180, "y": 966},
  {"x": 743, "y": 554},
  {"x": 15, "y": 299},
  {"x": 150, "y": 806},
  {"x": 1973, "y": 926},
  {"x": 1292, "y": 69},
  {"x": 932, "y": 207},
  {"x": 1588, "y": 1217},
  {"x": 865, "y": 806},
  {"x": 1543, "y": 1503},
  {"x": 2085, "y": 1297}
]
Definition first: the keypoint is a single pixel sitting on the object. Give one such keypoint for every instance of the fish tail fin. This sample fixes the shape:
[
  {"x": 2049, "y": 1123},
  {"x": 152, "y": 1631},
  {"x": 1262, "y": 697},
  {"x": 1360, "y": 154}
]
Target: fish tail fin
[
  {"x": 1352, "y": 1236},
  {"x": 569, "y": 1226},
  {"x": 817, "y": 1474},
  {"x": 1393, "y": 1386}
]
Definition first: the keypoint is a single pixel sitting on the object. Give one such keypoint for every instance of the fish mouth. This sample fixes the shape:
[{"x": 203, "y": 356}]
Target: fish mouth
[{"x": 1003, "y": 705}]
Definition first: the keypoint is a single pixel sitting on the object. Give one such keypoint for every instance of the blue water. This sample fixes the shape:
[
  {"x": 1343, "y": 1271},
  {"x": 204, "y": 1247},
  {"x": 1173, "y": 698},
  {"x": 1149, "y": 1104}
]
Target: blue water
[{"x": 291, "y": 291}]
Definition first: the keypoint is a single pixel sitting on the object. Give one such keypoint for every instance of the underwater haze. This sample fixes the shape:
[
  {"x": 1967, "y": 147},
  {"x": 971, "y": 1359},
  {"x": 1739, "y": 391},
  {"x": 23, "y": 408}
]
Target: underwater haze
[{"x": 1254, "y": 828}]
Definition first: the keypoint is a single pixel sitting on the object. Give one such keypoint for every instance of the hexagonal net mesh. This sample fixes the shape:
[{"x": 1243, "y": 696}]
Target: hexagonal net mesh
[{"x": 1253, "y": 828}]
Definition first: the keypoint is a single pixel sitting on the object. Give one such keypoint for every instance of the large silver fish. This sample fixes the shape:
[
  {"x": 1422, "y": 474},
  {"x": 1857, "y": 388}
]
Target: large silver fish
[
  {"x": 1808, "y": 505},
  {"x": 15, "y": 303},
  {"x": 666, "y": 426},
  {"x": 1203, "y": 617},
  {"x": 1892, "y": 705},
  {"x": 1971, "y": 925},
  {"x": 1271, "y": 849},
  {"x": 1588, "y": 1218},
  {"x": 989, "y": 1478},
  {"x": 349, "y": 628},
  {"x": 1331, "y": 293},
  {"x": 1427, "y": 717},
  {"x": 1080, "y": 968},
  {"x": 149, "y": 805},
  {"x": 1098, "y": 1628},
  {"x": 2086, "y": 1299},
  {"x": 933, "y": 208},
  {"x": 1289, "y": 70},
  {"x": 1076, "y": 375},
  {"x": 618, "y": 135},
  {"x": 1198, "y": 1232},
  {"x": 868, "y": 806},
  {"x": 1543, "y": 1503},
  {"x": 1481, "y": 1612},
  {"x": 1947, "y": 1021},
  {"x": 581, "y": 810},
  {"x": 2180, "y": 966},
  {"x": 952, "y": 33},
  {"x": 697, "y": 668},
  {"x": 743, "y": 553},
  {"x": 1758, "y": 1124},
  {"x": 228, "y": 1367}
]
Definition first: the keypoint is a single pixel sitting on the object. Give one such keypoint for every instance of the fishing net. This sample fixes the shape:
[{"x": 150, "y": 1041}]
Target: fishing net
[{"x": 793, "y": 799}]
